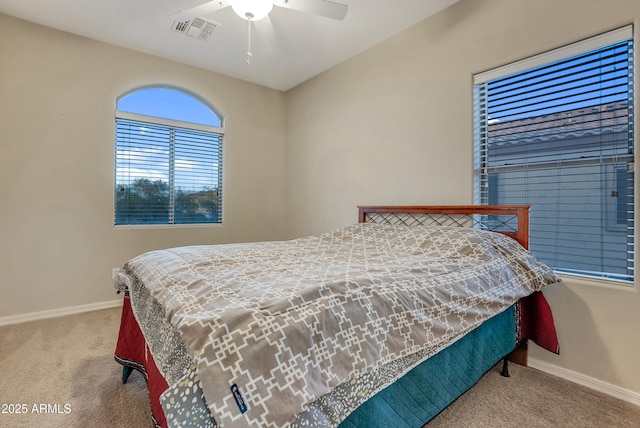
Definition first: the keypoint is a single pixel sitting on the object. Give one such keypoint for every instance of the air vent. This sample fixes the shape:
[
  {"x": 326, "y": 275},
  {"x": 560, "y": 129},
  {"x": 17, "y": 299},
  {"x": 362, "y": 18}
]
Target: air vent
[{"x": 199, "y": 28}]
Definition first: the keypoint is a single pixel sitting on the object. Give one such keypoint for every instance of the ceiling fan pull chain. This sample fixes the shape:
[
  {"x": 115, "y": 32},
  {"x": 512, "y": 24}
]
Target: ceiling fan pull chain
[{"x": 249, "y": 54}]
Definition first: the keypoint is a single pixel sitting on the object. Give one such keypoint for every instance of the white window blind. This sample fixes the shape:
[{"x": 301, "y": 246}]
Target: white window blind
[
  {"x": 167, "y": 174},
  {"x": 556, "y": 131}
]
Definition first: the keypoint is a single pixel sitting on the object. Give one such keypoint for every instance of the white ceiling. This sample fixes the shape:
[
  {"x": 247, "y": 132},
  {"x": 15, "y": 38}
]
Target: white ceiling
[{"x": 288, "y": 46}]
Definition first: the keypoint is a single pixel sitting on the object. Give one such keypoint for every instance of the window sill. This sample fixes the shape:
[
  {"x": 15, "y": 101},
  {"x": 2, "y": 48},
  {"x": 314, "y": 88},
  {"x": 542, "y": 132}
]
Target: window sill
[
  {"x": 165, "y": 226},
  {"x": 598, "y": 282}
]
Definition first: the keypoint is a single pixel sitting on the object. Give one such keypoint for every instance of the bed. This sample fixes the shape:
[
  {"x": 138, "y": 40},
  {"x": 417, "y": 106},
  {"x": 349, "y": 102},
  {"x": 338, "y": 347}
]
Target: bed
[{"x": 380, "y": 323}]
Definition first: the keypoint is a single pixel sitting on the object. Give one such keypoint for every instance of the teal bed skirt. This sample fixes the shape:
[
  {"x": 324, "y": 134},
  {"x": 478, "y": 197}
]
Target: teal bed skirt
[{"x": 426, "y": 390}]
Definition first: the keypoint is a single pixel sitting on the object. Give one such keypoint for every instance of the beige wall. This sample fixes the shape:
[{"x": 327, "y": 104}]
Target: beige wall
[
  {"x": 394, "y": 126},
  {"x": 57, "y": 99}
]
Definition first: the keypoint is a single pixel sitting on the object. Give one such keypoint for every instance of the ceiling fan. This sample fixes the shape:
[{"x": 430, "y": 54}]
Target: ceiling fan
[
  {"x": 189, "y": 20},
  {"x": 255, "y": 10}
]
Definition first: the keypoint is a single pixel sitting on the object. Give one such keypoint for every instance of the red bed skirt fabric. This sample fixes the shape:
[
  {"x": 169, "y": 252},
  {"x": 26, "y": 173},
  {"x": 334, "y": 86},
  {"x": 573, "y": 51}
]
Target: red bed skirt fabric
[
  {"x": 132, "y": 351},
  {"x": 535, "y": 323}
]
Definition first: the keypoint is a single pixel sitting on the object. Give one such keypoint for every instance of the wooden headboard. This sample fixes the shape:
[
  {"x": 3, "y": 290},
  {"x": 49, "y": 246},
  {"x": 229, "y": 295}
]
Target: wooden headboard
[{"x": 511, "y": 220}]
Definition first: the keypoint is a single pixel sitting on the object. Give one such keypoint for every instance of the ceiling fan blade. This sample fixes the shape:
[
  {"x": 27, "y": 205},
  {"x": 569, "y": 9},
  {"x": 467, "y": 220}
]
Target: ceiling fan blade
[
  {"x": 325, "y": 8},
  {"x": 203, "y": 9}
]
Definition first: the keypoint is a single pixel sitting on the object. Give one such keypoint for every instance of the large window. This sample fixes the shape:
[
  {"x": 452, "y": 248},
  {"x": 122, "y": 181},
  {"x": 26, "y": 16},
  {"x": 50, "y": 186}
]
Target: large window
[
  {"x": 168, "y": 159},
  {"x": 556, "y": 132}
]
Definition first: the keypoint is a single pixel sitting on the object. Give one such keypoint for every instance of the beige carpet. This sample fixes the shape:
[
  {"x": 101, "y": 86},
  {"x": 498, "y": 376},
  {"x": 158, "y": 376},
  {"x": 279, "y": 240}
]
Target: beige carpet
[
  {"x": 64, "y": 373},
  {"x": 69, "y": 360}
]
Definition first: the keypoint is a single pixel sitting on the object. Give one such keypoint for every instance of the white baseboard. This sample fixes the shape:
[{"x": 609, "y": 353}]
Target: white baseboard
[
  {"x": 587, "y": 381},
  {"x": 54, "y": 313}
]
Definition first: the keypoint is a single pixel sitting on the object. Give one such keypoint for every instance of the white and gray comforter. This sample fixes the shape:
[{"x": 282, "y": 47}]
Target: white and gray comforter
[{"x": 274, "y": 327}]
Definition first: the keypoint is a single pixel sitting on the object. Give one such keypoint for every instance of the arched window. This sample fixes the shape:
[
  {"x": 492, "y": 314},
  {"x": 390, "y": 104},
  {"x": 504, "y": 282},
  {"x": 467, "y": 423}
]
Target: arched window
[{"x": 168, "y": 159}]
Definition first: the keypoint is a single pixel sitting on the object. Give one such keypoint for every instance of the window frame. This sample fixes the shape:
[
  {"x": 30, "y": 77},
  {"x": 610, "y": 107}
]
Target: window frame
[
  {"x": 171, "y": 123},
  {"x": 482, "y": 121}
]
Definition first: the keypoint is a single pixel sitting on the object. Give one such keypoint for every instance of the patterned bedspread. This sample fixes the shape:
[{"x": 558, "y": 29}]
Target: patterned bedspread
[{"x": 272, "y": 327}]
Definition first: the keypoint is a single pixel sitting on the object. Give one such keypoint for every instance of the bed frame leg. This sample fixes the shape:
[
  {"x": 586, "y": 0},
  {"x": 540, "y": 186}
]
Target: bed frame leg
[
  {"x": 505, "y": 367},
  {"x": 126, "y": 372},
  {"x": 519, "y": 354}
]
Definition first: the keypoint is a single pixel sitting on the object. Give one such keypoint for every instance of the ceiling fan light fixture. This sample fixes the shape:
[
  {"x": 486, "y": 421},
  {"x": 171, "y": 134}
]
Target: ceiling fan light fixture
[{"x": 252, "y": 10}]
